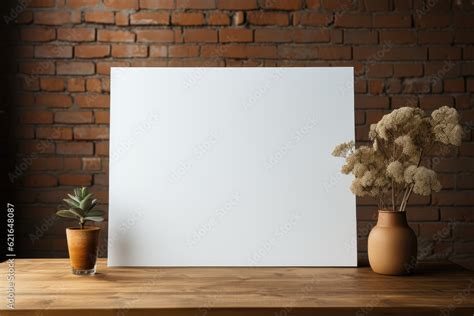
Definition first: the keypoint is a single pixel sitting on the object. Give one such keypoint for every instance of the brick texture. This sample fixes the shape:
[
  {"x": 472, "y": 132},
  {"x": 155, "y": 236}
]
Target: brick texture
[{"x": 404, "y": 52}]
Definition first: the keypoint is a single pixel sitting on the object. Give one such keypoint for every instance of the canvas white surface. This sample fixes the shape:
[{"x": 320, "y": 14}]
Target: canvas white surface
[{"x": 230, "y": 167}]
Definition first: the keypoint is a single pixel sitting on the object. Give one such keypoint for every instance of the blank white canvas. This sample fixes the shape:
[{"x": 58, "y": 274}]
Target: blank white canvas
[{"x": 230, "y": 167}]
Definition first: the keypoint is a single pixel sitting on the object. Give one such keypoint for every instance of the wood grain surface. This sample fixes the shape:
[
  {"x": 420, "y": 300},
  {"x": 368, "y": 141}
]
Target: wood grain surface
[{"x": 47, "y": 287}]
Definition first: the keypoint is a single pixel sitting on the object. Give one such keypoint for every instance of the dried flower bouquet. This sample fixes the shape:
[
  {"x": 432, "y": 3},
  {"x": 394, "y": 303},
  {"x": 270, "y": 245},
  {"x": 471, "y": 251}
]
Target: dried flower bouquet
[{"x": 390, "y": 169}]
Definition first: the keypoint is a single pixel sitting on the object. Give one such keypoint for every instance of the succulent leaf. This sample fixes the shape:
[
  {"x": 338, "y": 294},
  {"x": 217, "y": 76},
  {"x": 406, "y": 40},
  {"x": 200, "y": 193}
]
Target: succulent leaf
[
  {"x": 71, "y": 203},
  {"x": 74, "y": 198},
  {"x": 94, "y": 218},
  {"x": 69, "y": 214},
  {"x": 95, "y": 214},
  {"x": 81, "y": 205},
  {"x": 86, "y": 202}
]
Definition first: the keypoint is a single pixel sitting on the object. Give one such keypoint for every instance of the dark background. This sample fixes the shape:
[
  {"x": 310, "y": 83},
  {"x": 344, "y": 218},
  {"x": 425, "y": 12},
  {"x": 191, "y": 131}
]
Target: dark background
[{"x": 7, "y": 138}]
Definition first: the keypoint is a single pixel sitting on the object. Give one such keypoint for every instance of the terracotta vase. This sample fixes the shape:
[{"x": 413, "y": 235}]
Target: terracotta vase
[
  {"x": 83, "y": 245},
  {"x": 392, "y": 245}
]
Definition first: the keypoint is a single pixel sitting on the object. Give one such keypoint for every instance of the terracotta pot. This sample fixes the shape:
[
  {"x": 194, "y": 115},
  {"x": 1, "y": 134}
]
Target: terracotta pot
[
  {"x": 392, "y": 245},
  {"x": 83, "y": 245}
]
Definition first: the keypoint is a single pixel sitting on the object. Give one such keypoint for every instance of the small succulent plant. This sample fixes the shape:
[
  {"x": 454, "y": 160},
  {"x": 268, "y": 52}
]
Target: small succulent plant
[{"x": 81, "y": 207}]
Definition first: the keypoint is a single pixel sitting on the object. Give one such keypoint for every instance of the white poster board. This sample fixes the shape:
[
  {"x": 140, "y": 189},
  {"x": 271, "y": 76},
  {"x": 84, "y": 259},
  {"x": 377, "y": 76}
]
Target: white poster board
[{"x": 230, "y": 167}]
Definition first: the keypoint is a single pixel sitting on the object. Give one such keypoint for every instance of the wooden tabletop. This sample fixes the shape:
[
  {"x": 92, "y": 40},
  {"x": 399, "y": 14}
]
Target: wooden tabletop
[{"x": 47, "y": 286}]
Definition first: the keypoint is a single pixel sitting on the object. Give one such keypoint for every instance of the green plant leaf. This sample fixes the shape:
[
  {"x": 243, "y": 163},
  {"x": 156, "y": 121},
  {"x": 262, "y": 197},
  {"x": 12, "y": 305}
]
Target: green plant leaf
[
  {"x": 94, "y": 218},
  {"x": 71, "y": 203},
  {"x": 84, "y": 192},
  {"x": 74, "y": 198},
  {"x": 69, "y": 214},
  {"x": 77, "y": 192},
  {"x": 86, "y": 202},
  {"x": 76, "y": 210},
  {"x": 95, "y": 213},
  {"x": 79, "y": 211},
  {"x": 93, "y": 204}
]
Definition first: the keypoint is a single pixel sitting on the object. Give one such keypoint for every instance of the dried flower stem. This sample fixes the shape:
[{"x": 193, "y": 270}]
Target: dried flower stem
[{"x": 393, "y": 194}]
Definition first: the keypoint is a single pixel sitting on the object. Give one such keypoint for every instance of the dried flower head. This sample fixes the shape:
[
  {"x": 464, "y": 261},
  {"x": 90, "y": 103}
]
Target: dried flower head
[
  {"x": 342, "y": 150},
  {"x": 372, "y": 131},
  {"x": 395, "y": 170},
  {"x": 400, "y": 122},
  {"x": 365, "y": 164},
  {"x": 446, "y": 128},
  {"x": 424, "y": 180},
  {"x": 406, "y": 144},
  {"x": 392, "y": 163}
]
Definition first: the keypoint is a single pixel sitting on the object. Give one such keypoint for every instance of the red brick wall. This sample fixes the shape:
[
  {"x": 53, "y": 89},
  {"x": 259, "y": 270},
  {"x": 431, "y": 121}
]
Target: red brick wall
[{"x": 405, "y": 52}]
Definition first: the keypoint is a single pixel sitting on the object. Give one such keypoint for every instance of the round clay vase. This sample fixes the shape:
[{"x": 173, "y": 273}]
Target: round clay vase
[
  {"x": 392, "y": 245},
  {"x": 83, "y": 245}
]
